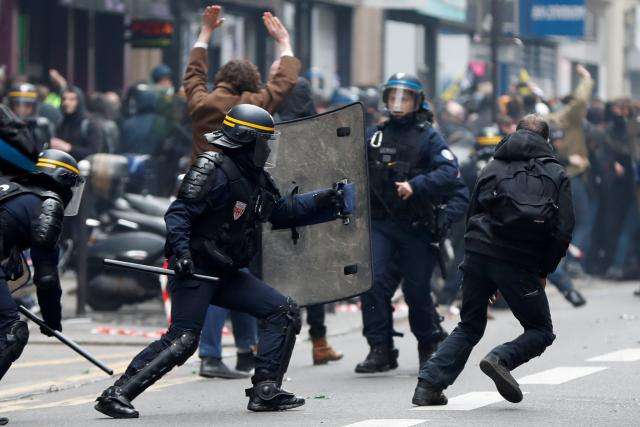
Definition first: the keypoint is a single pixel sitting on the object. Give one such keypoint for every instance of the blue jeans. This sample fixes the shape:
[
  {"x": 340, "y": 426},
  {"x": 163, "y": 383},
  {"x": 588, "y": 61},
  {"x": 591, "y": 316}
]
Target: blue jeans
[
  {"x": 560, "y": 279},
  {"x": 626, "y": 241},
  {"x": 581, "y": 209},
  {"x": 245, "y": 331}
]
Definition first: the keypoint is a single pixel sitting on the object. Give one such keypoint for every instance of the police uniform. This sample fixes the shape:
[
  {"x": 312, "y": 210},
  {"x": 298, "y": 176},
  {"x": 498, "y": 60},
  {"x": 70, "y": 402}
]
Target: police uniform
[
  {"x": 212, "y": 228},
  {"x": 403, "y": 149},
  {"x": 32, "y": 209}
]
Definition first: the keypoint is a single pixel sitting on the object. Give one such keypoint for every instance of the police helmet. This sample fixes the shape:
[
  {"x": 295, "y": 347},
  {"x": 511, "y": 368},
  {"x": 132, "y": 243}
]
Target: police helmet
[
  {"x": 60, "y": 167},
  {"x": 23, "y": 93},
  {"x": 406, "y": 83},
  {"x": 488, "y": 136},
  {"x": 245, "y": 124}
]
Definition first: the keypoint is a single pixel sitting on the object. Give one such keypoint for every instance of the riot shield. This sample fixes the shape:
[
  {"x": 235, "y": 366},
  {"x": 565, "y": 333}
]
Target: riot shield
[{"x": 330, "y": 261}]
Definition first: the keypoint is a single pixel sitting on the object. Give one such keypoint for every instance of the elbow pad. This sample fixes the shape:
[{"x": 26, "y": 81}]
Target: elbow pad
[
  {"x": 46, "y": 229},
  {"x": 200, "y": 177}
]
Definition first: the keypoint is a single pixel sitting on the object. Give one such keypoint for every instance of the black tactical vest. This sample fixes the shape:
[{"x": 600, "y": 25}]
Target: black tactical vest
[
  {"x": 235, "y": 227},
  {"x": 397, "y": 159}
]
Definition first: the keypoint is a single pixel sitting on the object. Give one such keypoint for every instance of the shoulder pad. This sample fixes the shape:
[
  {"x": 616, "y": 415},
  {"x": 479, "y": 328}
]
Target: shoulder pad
[
  {"x": 46, "y": 228},
  {"x": 200, "y": 176}
]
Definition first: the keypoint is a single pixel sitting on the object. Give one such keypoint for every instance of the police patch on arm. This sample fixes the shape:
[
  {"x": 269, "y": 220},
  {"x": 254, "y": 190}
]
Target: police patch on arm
[{"x": 447, "y": 155}]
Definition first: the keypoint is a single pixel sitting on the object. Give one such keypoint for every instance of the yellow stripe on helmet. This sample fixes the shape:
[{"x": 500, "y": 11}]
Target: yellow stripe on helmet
[
  {"x": 225, "y": 122},
  {"x": 53, "y": 163},
  {"x": 488, "y": 140},
  {"x": 248, "y": 124},
  {"x": 16, "y": 94}
]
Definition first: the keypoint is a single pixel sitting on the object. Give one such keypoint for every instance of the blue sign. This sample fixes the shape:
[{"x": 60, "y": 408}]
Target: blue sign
[{"x": 542, "y": 18}]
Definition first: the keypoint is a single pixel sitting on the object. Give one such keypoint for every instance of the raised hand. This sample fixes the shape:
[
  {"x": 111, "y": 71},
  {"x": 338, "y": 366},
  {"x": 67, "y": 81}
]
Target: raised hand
[
  {"x": 211, "y": 18},
  {"x": 276, "y": 29}
]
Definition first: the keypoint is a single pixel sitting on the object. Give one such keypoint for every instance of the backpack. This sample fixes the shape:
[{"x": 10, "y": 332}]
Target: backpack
[{"x": 523, "y": 203}]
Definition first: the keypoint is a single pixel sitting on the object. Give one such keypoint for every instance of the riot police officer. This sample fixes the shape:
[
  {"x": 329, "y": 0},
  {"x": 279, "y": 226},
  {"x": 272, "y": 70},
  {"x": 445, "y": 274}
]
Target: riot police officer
[
  {"x": 32, "y": 208},
  {"x": 23, "y": 101},
  {"x": 212, "y": 228},
  {"x": 411, "y": 170}
]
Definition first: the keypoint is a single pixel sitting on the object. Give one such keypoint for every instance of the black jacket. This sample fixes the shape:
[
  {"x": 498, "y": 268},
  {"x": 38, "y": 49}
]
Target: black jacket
[
  {"x": 542, "y": 256},
  {"x": 84, "y": 135}
]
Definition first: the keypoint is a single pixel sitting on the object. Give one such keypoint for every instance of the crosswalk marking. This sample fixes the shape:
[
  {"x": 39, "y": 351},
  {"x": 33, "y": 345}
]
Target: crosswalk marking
[
  {"x": 626, "y": 355},
  {"x": 29, "y": 403},
  {"x": 560, "y": 375},
  {"x": 466, "y": 402},
  {"x": 387, "y": 423}
]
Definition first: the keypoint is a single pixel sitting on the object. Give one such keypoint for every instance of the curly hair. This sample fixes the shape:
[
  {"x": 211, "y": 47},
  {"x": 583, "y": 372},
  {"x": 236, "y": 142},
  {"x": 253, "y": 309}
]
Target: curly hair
[{"x": 241, "y": 74}]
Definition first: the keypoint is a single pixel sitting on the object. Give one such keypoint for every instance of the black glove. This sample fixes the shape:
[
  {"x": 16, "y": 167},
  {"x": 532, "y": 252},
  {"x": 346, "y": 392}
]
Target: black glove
[
  {"x": 327, "y": 198},
  {"x": 50, "y": 307},
  {"x": 184, "y": 266}
]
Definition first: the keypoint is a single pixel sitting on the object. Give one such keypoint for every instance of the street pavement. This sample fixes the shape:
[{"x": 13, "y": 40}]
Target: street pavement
[{"x": 590, "y": 376}]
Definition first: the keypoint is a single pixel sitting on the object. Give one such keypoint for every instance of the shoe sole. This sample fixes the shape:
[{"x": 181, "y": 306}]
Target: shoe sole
[
  {"x": 438, "y": 403},
  {"x": 270, "y": 409},
  {"x": 98, "y": 407},
  {"x": 505, "y": 387}
]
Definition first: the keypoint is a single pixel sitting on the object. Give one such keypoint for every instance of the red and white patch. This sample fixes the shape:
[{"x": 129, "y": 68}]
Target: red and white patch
[{"x": 238, "y": 210}]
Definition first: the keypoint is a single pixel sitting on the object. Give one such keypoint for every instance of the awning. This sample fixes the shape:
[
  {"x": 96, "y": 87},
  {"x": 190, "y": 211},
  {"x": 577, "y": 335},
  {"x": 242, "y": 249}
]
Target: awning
[{"x": 450, "y": 10}]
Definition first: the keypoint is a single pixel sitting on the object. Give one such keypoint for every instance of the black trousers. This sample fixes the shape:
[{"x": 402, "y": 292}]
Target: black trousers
[
  {"x": 521, "y": 288},
  {"x": 240, "y": 291}
]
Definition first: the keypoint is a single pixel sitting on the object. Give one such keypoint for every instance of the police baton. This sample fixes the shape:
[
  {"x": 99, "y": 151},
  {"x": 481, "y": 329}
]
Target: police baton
[
  {"x": 152, "y": 269},
  {"x": 75, "y": 347}
]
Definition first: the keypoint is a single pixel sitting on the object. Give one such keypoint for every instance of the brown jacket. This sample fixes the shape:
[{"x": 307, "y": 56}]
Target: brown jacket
[
  {"x": 570, "y": 119},
  {"x": 207, "y": 109}
]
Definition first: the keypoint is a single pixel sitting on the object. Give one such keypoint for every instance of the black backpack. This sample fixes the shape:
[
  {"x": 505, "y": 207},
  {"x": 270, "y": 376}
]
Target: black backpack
[{"x": 523, "y": 202}]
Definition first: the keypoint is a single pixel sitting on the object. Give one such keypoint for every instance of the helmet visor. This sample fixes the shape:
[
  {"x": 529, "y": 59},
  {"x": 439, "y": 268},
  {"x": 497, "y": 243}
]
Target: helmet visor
[
  {"x": 73, "y": 206},
  {"x": 266, "y": 150},
  {"x": 401, "y": 100}
]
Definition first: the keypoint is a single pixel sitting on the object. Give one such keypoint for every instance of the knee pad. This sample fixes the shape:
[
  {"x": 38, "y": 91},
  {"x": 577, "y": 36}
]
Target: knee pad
[
  {"x": 183, "y": 344},
  {"x": 17, "y": 338}
]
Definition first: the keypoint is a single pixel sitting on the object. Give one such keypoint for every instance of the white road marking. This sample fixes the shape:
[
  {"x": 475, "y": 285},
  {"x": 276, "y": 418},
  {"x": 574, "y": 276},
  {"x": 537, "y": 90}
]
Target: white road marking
[
  {"x": 69, "y": 360},
  {"x": 626, "y": 355},
  {"x": 560, "y": 375},
  {"x": 466, "y": 402},
  {"x": 30, "y": 403},
  {"x": 387, "y": 423}
]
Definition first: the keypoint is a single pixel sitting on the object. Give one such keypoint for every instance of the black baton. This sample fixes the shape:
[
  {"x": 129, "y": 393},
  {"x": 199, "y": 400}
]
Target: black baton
[
  {"x": 75, "y": 347},
  {"x": 152, "y": 269}
]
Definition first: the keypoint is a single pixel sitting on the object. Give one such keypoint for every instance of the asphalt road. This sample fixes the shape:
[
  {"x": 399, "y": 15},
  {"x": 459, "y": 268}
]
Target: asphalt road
[{"x": 566, "y": 386}]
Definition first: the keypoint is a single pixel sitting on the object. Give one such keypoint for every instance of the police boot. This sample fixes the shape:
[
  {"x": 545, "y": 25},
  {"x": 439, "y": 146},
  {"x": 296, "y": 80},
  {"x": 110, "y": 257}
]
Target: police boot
[
  {"x": 115, "y": 404},
  {"x": 507, "y": 386},
  {"x": 267, "y": 396},
  {"x": 212, "y": 367},
  {"x": 379, "y": 359},
  {"x": 425, "y": 395},
  {"x": 575, "y": 298},
  {"x": 323, "y": 352}
]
